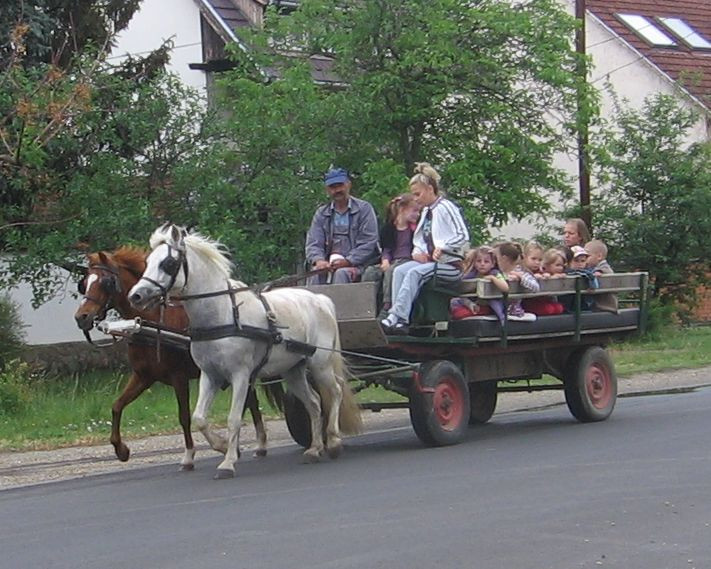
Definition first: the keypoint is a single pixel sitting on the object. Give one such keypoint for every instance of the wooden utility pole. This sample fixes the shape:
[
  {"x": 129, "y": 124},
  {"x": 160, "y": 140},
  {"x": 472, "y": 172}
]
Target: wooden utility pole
[{"x": 583, "y": 115}]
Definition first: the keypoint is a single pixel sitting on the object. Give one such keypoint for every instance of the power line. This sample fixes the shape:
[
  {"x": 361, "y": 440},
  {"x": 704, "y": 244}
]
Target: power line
[{"x": 127, "y": 54}]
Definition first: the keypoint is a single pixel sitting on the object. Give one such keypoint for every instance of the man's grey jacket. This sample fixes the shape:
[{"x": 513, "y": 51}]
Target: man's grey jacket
[{"x": 363, "y": 234}]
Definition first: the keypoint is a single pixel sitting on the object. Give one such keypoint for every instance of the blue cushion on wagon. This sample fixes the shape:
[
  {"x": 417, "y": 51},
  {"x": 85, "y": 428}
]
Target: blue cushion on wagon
[{"x": 484, "y": 328}]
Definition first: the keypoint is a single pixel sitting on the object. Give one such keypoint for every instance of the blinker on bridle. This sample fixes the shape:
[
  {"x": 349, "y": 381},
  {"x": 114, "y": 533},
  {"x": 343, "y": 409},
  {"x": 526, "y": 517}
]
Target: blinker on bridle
[
  {"x": 109, "y": 284},
  {"x": 170, "y": 266}
]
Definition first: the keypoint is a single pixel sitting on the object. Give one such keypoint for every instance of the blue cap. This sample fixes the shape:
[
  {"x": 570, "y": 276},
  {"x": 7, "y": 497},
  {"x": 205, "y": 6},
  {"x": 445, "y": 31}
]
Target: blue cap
[{"x": 336, "y": 176}]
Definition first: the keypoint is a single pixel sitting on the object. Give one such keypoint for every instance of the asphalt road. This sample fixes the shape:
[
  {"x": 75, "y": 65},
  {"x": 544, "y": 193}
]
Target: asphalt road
[{"x": 532, "y": 490}]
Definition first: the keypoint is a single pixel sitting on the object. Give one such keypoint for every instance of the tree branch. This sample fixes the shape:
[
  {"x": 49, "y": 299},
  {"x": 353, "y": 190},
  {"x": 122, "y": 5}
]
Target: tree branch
[{"x": 50, "y": 222}]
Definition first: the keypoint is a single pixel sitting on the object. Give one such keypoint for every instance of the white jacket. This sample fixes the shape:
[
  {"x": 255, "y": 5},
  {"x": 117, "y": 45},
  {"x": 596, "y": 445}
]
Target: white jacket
[{"x": 449, "y": 232}]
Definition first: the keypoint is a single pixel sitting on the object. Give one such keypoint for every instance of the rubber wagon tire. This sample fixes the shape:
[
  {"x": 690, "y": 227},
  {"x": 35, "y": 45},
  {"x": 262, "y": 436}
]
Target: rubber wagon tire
[
  {"x": 440, "y": 416},
  {"x": 297, "y": 420},
  {"x": 590, "y": 384},
  {"x": 482, "y": 401}
]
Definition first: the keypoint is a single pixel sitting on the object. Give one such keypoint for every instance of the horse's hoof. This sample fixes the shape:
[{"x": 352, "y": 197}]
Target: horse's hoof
[
  {"x": 260, "y": 452},
  {"x": 335, "y": 451},
  {"x": 122, "y": 453},
  {"x": 310, "y": 457},
  {"x": 186, "y": 468},
  {"x": 224, "y": 474}
]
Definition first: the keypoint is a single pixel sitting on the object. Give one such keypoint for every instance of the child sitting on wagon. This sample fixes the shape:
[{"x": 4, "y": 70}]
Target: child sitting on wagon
[
  {"x": 480, "y": 263},
  {"x": 533, "y": 258},
  {"x": 508, "y": 257},
  {"x": 396, "y": 242},
  {"x": 577, "y": 267},
  {"x": 553, "y": 268},
  {"x": 597, "y": 262}
]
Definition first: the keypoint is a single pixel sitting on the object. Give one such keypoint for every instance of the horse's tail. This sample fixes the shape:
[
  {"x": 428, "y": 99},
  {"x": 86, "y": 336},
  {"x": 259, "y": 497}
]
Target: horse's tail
[
  {"x": 274, "y": 392},
  {"x": 350, "y": 421}
]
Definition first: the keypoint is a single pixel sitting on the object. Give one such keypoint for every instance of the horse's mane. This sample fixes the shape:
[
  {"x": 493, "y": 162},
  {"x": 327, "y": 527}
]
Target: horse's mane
[
  {"x": 127, "y": 256},
  {"x": 133, "y": 258},
  {"x": 209, "y": 249}
]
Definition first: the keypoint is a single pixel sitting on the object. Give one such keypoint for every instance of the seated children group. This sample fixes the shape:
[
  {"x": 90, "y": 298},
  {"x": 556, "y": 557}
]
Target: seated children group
[
  {"x": 500, "y": 264},
  {"x": 425, "y": 237}
]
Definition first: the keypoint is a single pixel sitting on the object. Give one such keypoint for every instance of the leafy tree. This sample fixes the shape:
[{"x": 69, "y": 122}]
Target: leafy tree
[
  {"x": 653, "y": 210},
  {"x": 56, "y": 31},
  {"x": 484, "y": 90},
  {"x": 11, "y": 331},
  {"x": 92, "y": 158}
]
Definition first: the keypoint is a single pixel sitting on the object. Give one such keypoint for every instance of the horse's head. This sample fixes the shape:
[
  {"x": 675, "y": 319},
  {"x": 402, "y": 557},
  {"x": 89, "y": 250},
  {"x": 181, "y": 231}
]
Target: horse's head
[
  {"x": 163, "y": 267},
  {"x": 99, "y": 287},
  {"x": 106, "y": 283}
]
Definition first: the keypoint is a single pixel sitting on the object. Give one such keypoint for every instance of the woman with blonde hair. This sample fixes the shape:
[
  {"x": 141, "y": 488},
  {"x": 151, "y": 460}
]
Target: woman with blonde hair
[{"x": 439, "y": 243}]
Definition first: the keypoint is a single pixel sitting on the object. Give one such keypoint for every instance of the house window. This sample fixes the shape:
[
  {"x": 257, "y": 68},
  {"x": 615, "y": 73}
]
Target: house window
[
  {"x": 685, "y": 33},
  {"x": 647, "y": 30}
]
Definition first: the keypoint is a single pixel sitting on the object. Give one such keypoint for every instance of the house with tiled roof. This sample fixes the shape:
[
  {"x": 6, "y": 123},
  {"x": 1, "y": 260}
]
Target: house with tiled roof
[
  {"x": 638, "y": 47},
  {"x": 200, "y": 30},
  {"x": 671, "y": 36}
]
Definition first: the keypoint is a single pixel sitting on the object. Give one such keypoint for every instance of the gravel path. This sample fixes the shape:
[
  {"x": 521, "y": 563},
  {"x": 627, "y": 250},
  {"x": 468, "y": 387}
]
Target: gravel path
[{"x": 36, "y": 467}]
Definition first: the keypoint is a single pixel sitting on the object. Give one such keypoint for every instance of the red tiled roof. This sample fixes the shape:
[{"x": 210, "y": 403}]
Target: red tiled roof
[{"x": 690, "y": 67}]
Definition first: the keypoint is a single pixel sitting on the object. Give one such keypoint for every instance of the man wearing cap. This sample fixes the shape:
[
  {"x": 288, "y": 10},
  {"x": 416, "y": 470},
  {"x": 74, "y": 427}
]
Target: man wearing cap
[{"x": 343, "y": 237}]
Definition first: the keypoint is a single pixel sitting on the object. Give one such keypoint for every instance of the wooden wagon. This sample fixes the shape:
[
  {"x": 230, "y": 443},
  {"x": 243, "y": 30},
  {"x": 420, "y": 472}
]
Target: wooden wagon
[{"x": 452, "y": 371}]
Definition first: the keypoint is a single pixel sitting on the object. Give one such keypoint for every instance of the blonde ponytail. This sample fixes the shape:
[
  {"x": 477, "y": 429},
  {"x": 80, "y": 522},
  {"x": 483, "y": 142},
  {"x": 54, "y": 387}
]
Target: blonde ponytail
[{"x": 426, "y": 174}]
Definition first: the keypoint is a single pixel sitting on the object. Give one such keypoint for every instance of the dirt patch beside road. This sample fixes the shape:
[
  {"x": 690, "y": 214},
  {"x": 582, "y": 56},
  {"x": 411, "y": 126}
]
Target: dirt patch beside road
[{"x": 36, "y": 467}]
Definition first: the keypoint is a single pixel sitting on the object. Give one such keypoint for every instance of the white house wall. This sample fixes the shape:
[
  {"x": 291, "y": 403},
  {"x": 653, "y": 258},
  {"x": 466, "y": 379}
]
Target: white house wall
[
  {"x": 52, "y": 322},
  {"x": 160, "y": 20}
]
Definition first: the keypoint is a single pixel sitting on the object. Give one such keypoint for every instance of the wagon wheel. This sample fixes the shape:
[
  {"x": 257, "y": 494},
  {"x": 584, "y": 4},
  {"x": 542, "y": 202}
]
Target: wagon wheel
[
  {"x": 482, "y": 401},
  {"x": 297, "y": 420},
  {"x": 590, "y": 384},
  {"x": 439, "y": 405}
]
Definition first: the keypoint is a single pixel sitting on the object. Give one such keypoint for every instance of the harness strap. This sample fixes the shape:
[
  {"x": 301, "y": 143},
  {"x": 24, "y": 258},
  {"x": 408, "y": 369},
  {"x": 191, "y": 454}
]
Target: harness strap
[
  {"x": 229, "y": 290},
  {"x": 276, "y": 336},
  {"x": 230, "y": 330}
]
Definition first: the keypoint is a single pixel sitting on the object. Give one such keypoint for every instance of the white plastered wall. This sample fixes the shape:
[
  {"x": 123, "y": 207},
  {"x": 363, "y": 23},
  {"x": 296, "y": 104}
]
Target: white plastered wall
[{"x": 160, "y": 20}]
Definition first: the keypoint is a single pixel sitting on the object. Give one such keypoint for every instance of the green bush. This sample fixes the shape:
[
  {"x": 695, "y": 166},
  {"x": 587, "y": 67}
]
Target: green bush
[
  {"x": 15, "y": 391},
  {"x": 11, "y": 331},
  {"x": 660, "y": 319}
]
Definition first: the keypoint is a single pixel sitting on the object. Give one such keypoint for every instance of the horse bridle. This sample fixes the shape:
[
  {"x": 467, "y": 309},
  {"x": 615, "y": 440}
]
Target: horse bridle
[
  {"x": 111, "y": 285},
  {"x": 171, "y": 266}
]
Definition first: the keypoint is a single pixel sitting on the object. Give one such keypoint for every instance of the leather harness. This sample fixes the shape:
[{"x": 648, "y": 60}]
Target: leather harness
[{"x": 270, "y": 335}]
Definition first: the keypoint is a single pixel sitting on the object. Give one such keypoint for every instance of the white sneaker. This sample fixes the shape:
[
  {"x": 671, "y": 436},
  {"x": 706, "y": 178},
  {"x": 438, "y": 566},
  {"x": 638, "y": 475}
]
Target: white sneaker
[{"x": 389, "y": 321}]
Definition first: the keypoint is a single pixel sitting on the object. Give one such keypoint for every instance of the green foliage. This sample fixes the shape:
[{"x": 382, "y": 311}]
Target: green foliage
[
  {"x": 131, "y": 151},
  {"x": 653, "y": 212},
  {"x": 55, "y": 31},
  {"x": 660, "y": 320},
  {"x": 465, "y": 86},
  {"x": 15, "y": 392},
  {"x": 95, "y": 156},
  {"x": 677, "y": 348},
  {"x": 11, "y": 331}
]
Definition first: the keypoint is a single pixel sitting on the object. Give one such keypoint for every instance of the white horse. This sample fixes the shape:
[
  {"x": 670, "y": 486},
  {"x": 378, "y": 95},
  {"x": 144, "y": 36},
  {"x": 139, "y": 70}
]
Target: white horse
[{"x": 192, "y": 267}]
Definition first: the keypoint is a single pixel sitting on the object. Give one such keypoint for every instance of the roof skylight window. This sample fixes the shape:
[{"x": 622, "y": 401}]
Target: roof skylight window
[
  {"x": 685, "y": 33},
  {"x": 647, "y": 30}
]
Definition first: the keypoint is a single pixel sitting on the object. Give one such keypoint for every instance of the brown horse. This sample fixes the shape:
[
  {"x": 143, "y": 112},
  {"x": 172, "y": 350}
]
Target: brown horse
[{"x": 108, "y": 279}]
